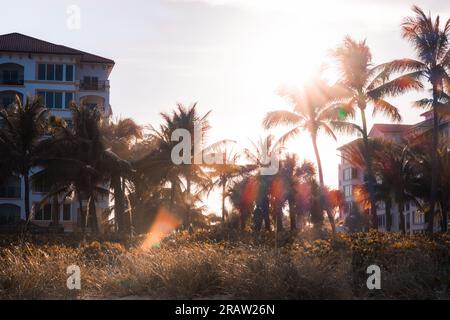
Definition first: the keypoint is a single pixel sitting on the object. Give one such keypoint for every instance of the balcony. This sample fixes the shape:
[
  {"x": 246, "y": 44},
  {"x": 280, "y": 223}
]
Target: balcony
[
  {"x": 94, "y": 85},
  {"x": 18, "y": 82}
]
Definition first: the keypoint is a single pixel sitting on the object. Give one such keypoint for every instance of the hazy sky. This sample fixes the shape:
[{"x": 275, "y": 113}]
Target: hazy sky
[{"x": 230, "y": 56}]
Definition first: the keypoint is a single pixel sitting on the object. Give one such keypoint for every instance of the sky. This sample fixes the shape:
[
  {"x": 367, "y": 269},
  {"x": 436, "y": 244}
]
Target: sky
[{"x": 230, "y": 56}]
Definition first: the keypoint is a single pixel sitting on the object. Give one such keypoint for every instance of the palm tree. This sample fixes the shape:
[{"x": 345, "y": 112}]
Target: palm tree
[
  {"x": 422, "y": 164},
  {"x": 431, "y": 44},
  {"x": 293, "y": 177},
  {"x": 262, "y": 151},
  {"x": 186, "y": 174},
  {"x": 77, "y": 162},
  {"x": 120, "y": 137},
  {"x": 367, "y": 85},
  {"x": 394, "y": 168},
  {"x": 243, "y": 197},
  {"x": 225, "y": 172},
  {"x": 22, "y": 131},
  {"x": 313, "y": 112}
]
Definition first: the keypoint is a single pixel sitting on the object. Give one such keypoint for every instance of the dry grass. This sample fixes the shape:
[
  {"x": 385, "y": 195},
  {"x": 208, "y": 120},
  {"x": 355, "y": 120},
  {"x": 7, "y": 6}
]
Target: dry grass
[{"x": 204, "y": 265}]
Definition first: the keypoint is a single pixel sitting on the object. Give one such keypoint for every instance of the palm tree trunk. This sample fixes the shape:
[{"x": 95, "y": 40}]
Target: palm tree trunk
[
  {"x": 55, "y": 211},
  {"x": 388, "y": 204},
  {"x": 82, "y": 214},
  {"x": 172, "y": 194},
  {"x": 119, "y": 208},
  {"x": 319, "y": 161},
  {"x": 93, "y": 215},
  {"x": 370, "y": 177},
  {"x": 188, "y": 200},
  {"x": 27, "y": 195},
  {"x": 322, "y": 181},
  {"x": 279, "y": 218},
  {"x": 223, "y": 201},
  {"x": 434, "y": 162},
  {"x": 401, "y": 211},
  {"x": 444, "y": 208},
  {"x": 292, "y": 215}
]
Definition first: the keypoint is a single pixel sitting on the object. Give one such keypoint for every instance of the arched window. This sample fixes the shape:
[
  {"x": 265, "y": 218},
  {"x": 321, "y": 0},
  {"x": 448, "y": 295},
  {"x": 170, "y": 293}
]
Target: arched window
[
  {"x": 11, "y": 74},
  {"x": 8, "y": 98}
]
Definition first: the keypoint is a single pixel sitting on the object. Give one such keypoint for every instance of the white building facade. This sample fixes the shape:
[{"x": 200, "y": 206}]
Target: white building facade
[
  {"x": 350, "y": 177},
  {"x": 60, "y": 75}
]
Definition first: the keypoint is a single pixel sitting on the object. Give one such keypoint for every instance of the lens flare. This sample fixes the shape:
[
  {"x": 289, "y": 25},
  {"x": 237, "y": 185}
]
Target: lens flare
[{"x": 163, "y": 225}]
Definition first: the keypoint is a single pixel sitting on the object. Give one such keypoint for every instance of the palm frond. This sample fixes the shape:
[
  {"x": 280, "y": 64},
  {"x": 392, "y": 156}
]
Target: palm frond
[
  {"x": 346, "y": 127},
  {"x": 281, "y": 117},
  {"x": 384, "y": 107}
]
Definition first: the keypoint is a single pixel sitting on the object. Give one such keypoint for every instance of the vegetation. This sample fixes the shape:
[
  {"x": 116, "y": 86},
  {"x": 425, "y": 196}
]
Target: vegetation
[
  {"x": 247, "y": 252},
  {"x": 214, "y": 265}
]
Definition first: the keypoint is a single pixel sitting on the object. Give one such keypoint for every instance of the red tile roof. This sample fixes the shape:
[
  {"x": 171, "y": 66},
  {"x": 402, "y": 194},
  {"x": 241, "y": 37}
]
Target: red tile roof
[
  {"x": 391, "y": 128},
  {"x": 16, "y": 42}
]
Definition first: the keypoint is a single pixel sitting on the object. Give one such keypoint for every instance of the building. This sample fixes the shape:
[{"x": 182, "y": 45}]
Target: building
[
  {"x": 350, "y": 177},
  {"x": 60, "y": 75}
]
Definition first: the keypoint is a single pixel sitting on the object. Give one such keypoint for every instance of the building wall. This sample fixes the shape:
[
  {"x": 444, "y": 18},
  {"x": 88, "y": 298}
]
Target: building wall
[{"x": 31, "y": 86}]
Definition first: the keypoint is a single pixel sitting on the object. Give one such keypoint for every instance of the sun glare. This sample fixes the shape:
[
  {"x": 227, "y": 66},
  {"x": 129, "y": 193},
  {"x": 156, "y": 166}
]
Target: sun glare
[{"x": 164, "y": 224}]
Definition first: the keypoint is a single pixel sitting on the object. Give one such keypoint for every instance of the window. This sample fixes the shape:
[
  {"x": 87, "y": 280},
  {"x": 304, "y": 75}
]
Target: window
[
  {"x": 419, "y": 217},
  {"x": 382, "y": 221},
  {"x": 43, "y": 213},
  {"x": 10, "y": 76},
  {"x": 50, "y": 72},
  {"x": 55, "y": 72},
  {"x": 350, "y": 174},
  {"x": 59, "y": 72},
  {"x": 68, "y": 99},
  {"x": 407, "y": 206},
  {"x": 40, "y": 186},
  {"x": 50, "y": 99},
  {"x": 41, "y": 72},
  {"x": 69, "y": 72},
  {"x": 90, "y": 83},
  {"x": 8, "y": 100},
  {"x": 348, "y": 191},
  {"x": 67, "y": 214},
  {"x": 56, "y": 100}
]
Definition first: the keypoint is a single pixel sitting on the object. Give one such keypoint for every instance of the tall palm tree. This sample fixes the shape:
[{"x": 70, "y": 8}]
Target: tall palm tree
[
  {"x": 189, "y": 119},
  {"x": 431, "y": 43},
  {"x": 394, "y": 168},
  {"x": 293, "y": 175},
  {"x": 22, "y": 131},
  {"x": 264, "y": 149},
  {"x": 77, "y": 162},
  {"x": 313, "y": 111},
  {"x": 225, "y": 172},
  {"x": 120, "y": 137},
  {"x": 422, "y": 163},
  {"x": 367, "y": 85}
]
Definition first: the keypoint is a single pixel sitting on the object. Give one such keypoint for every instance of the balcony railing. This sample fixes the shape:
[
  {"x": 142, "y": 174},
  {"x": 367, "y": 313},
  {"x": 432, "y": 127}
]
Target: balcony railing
[
  {"x": 101, "y": 85},
  {"x": 19, "y": 82}
]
